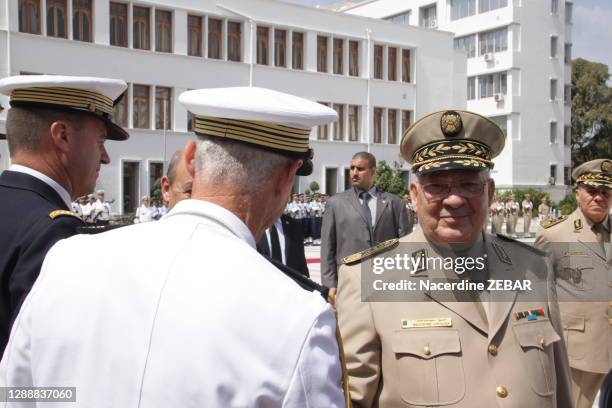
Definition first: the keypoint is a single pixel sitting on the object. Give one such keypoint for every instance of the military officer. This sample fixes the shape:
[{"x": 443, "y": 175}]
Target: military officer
[
  {"x": 512, "y": 209},
  {"x": 527, "y": 207},
  {"x": 579, "y": 245},
  {"x": 101, "y": 209},
  {"x": 453, "y": 349},
  {"x": 56, "y": 130},
  {"x": 208, "y": 321},
  {"x": 544, "y": 210},
  {"x": 497, "y": 215}
]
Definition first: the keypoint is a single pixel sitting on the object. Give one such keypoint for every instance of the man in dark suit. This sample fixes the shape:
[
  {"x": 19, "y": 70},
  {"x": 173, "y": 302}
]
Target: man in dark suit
[
  {"x": 284, "y": 241},
  {"x": 358, "y": 218},
  {"x": 56, "y": 129}
]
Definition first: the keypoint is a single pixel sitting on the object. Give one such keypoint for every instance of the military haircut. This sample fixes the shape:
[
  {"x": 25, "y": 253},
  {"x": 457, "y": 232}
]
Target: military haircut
[
  {"x": 369, "y": 157},
  {"x": 25, "y": 126}
]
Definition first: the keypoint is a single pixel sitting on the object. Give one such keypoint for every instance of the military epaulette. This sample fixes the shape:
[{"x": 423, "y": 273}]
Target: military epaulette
[
  {"x": 64, "y": 213},
  {"x": 375, "y": 250},
  {"x": 522, "y": 244},
  {"x": 554, "y": 221}
]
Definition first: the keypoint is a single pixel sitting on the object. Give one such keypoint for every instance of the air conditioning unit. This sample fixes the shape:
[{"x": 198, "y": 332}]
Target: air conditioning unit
[
  {"x": 433, "y": 23},
  {"x": 488, "y": 57},
  {"x": 498, "y": 97}
]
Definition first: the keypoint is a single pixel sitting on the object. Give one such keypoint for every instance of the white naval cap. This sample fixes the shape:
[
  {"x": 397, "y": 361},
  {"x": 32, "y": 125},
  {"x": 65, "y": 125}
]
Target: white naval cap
[
  {"x": 262, "y": 117},
  {"x": 95, "y": 96}
]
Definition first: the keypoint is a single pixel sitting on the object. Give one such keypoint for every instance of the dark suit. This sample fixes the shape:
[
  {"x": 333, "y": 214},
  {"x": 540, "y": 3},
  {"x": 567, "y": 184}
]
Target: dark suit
[
  {"x": 346, "y": 231},
  {"x": 294, "y": 245},
  {"x": 28, "y": 232}
]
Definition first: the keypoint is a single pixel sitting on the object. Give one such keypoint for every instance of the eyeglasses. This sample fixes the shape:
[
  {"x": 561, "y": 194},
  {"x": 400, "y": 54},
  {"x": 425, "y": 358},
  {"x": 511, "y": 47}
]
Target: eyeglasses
[{"x": 467, "y": 189}]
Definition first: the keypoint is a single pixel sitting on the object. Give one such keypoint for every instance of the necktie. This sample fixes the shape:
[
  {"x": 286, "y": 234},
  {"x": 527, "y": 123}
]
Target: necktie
[
  {"x": 365, "y": 197},
  {"x": 598, "y": 229},
  {"x": 275, "y": 244}
]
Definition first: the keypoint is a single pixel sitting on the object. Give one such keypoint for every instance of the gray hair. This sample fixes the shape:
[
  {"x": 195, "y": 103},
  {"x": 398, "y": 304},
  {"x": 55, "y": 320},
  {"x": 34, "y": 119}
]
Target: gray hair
[{"x": 228, "y": 162}]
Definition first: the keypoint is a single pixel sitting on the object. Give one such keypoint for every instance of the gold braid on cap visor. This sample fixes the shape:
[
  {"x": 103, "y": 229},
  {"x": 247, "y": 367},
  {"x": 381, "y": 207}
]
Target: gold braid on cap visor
[
  {"x": 66, "y": 97},
  {"x": 264, "y": 134},
  {"x": 595, "y": 180},
  {"x": 462, "y": 153}
]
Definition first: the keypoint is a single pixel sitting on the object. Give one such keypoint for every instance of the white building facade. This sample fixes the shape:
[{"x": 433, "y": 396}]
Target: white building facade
[
  {"x": 518, "y": 74},
  {"x": 162, "y": 48}
]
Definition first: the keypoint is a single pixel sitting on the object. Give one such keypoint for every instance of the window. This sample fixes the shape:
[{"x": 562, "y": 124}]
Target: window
[
  {"x": 280, "y": 48},
  {"x": 392, "y": 64},
  {"x": 81, "y": 20},
  {"x": 214, "y": 38},
  {"x": 353, "y": 112},
  {"x": 567, "y": 94},
  {"x": 29, "y": 16},
  {"x": 129, "y": 186},
  {"x": 406, "y": 66},
  {"x": 493, "y": 41},
  {"x": 323, "y": 130},
  {"x": 339, "y": 125},
  {"x": 194, "y": 32},
  {"x": 553, "y": 46},
  {"x": 502, "y": 122},
  {"x": 118, "y": 24},
  {"x": 141, "y": 28},
  {"x": 405, "y": 121},
  {"x": 156, "y": 171},
  {"x": 402, "y": 18},
  {"x": 163, "y": 31},
  {"x": 321, "y": 54},
  {"x": 488, "y": 5},
  {"x": 234, "y": 41},
  {"x": 429, "y": 16},
  {"x": 567, "y": 175},
  {"x": 378, "y": 125},
  {"x": 467, "y": 44},
  {"x": 567, "y": 135},
  {"x": 353, "y": 58},
  {"x": 56, "y": 18},
  {"x": 392, "y": 126},
  {"x": 492, "y": 84},
  {"x": 553, "y": 132},
  {"x": 568, "y": 12},
  {"x": 554, "y": 6},
  {"x": 568, "y": 54},
  {"x": 471, "y": 88},
  {"x": 462, "y": 8},
  {"x": 163, "y": 108},
  {"x": 553, "y": 174},
  {"x": 553, "y": 89},
  {"x": 262, "y": 45},
  {"x": 120, "y": 111},
  {"x": 141, "y": 106},
  {"x": 378, "y": 61},
  {"x": 297, "y": 50},
  {"x": 338, "y": 56}
]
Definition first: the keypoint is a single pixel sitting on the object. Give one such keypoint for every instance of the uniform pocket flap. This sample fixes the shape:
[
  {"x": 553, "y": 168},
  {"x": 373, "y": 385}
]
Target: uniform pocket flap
[
  {"x": 539, "y": 334},
  {"x": 573, "y": 323},
  {"x": 425, "y": 343}
]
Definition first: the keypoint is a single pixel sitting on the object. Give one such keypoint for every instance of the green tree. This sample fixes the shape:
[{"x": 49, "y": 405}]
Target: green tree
[
  {"x": 314, "y": 186},
  {"x": 390, "y": 179},
  {"x": 591, "y": 111},
  {"x": 568, "y": 204}
]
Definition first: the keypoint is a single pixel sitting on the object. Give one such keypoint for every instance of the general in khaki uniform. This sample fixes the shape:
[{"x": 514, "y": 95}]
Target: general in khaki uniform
[
  {"x": 450, "y": 349},
  {"x": 579, "y": 245}
]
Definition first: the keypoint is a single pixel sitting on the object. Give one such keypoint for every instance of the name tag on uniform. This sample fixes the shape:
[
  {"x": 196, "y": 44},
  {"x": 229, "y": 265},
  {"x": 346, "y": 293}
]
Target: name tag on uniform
[{"x": 433, "y": 322}]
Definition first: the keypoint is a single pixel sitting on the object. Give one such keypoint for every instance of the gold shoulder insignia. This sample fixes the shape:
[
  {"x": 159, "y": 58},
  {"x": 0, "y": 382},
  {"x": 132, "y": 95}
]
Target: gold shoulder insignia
[
  {"x": 577, "y": 225},
  {"x": 377, "y": 249},
  {"x": 514, "y": 242},
  {"x": 64, "y": 213},
  {"x": 554, "y": 221}
]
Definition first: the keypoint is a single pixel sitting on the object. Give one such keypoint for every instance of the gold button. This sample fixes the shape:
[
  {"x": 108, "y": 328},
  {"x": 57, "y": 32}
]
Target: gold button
[
  {"x": 502, "y": 392},
  {"x": 426, "y": 350},
  {"x": 542, "y": 343},
  {"x": 493, "y": 349}
]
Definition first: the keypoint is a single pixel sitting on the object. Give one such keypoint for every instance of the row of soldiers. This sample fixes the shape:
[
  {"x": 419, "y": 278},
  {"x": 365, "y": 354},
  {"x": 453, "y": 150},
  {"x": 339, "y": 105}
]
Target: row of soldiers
[
  {"x": 93, "y": 208},
  {"x": 308, "y": 211},
  {"x": 510, "y": 211}
]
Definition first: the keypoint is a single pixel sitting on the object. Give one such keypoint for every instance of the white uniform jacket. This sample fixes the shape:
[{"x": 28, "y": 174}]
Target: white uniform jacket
[{"x": 204, "y": 321}]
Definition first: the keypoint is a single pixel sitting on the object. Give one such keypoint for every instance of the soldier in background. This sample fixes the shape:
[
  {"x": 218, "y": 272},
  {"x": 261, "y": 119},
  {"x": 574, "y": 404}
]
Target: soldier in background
[
  {"x": 410, "y": 213},
  {"x": 544, "y": 210},
  {"x": 527, "y": 207},
  {"x": 512, "y": 210},
  {"x": 101, "y": 209},
  {"x": 497, "y": 215},
  {"x": 579, "y": 246}
]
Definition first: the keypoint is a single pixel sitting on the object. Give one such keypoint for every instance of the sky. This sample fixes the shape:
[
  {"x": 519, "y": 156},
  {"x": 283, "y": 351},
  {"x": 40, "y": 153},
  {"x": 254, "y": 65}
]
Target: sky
[{"x": 592, "y": 28}]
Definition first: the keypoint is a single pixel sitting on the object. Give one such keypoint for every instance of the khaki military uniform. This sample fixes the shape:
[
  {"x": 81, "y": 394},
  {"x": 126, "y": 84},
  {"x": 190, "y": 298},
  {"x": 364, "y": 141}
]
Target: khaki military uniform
[
  {"x": 512, "y": 209},
  {"x": 497, "y": 217},
  {"x": 474, "y": 359},
  {"x": 543, "y": 212},
  {"x": 583, "y": 273},
  {"x": 527, "y": 207}
]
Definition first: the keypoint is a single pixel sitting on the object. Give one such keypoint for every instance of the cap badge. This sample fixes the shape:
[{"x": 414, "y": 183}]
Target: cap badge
[
  {"x": 606, "y": 166},
  {"x": 451, "y": 123}
]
